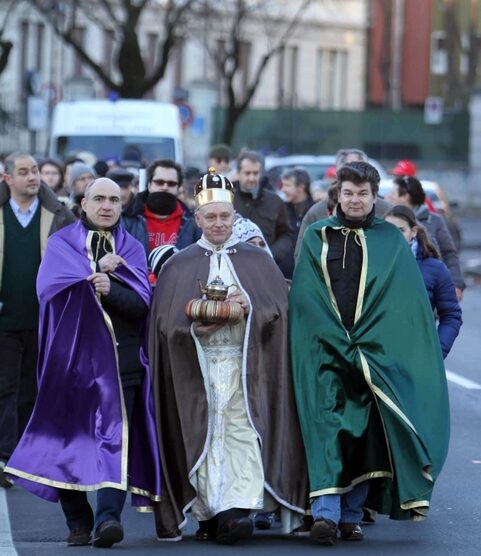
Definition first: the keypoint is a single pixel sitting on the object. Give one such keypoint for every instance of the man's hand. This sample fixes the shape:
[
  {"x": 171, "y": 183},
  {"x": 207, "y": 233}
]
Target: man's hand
[
  {"x": 239, "y": 298},
  {"x": 459, "y": 294},
  {"x": 101, "y": 282},
  {"x": 109, "y": 262}
]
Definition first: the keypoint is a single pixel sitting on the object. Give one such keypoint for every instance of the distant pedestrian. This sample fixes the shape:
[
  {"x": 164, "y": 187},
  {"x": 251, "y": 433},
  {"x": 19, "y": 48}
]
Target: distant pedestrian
[
  {"x": 408, "y": 191},
  {"x": 92, "y": 427},
  {"x": 29, "y": 213},
  {"x": 264, "y": 208},
  {"x": 438, "y": 281},
  {"x": 296, "y": 188},
  {"x": 156, "y": 216},
  {"x": 51, "y": 173}
]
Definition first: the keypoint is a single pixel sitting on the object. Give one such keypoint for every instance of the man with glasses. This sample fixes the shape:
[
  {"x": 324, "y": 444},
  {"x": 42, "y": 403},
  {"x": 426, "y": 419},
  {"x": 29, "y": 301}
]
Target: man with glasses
[{"x": 157, "y": 217}]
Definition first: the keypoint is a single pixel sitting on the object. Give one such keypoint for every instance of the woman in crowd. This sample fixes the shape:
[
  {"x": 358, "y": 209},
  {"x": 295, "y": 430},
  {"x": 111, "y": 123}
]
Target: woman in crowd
[
  {"x": 437, "y": 279},
  {"x": 51, "y": 173}
]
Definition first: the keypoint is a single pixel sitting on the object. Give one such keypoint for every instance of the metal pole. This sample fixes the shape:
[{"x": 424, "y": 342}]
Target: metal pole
[{"x": 397, "y": 50}]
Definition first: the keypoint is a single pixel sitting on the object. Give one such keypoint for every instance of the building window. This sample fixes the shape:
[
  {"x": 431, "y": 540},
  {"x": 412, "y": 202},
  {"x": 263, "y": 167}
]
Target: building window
[
  {"x": 331, "y": 82},
  {"x": 287, "y": 76},
  {"x": 439, "y": 53}
]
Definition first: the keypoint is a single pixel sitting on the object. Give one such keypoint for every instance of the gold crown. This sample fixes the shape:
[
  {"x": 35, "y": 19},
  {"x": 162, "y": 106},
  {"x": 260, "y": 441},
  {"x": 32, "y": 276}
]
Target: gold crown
[{"x": 213, "y": 188}]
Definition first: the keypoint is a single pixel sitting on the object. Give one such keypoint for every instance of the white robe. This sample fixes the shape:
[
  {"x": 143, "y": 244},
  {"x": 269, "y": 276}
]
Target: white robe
[{"x": 230, "y": 474}]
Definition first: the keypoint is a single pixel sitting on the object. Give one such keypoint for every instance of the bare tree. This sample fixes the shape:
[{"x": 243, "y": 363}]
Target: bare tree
[
  {"x": 5, "y": 45},
  {"x": 121, "y": 17},
  {"x": 461, "y": 42},
  {"x": 227, "y": 53}
]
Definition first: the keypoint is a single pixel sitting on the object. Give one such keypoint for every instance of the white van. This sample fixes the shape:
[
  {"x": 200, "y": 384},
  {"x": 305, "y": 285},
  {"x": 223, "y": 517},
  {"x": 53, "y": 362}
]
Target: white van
[{"x": 113, "y": 129}]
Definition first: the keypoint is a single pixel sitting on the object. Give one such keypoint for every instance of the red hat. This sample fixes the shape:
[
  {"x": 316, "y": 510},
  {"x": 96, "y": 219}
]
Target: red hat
[
  {"x": 330, "y": 172},
  {"x": 404, "y": 168}
]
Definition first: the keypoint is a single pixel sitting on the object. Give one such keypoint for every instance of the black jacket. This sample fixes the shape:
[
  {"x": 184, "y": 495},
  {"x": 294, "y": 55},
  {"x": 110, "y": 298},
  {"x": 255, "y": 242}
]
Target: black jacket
[
  {"x": 126, "y": 308},
  {"x": 344, "y": 264},
  {"x": 269, "y": 212},
  {"x": 295, "y": 215}
]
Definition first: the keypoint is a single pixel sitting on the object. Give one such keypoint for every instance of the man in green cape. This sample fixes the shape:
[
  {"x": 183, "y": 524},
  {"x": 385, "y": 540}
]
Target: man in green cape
[{"x": 368, "y": 371}]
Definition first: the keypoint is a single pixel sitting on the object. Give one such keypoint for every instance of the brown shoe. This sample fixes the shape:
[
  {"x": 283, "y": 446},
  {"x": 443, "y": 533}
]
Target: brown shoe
[
  {"x": 351, "y": 532},
  {"x": 324, "y": 531}
]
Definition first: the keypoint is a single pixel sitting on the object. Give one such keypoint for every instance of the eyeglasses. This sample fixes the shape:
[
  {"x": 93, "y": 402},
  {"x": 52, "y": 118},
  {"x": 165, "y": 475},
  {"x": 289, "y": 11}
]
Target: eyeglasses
[{"x": 168, "y": 183}]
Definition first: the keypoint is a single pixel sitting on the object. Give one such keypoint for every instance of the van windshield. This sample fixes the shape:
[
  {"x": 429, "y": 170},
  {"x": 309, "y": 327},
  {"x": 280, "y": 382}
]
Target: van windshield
[{"x": 122, "y": 148}]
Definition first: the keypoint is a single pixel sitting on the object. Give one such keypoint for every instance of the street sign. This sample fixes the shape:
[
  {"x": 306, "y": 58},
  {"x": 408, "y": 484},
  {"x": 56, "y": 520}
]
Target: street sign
[
  {"x": 186, "y": 113},
  {"x": 37, "y": 113},
  {"x": 433, "y": 110}
]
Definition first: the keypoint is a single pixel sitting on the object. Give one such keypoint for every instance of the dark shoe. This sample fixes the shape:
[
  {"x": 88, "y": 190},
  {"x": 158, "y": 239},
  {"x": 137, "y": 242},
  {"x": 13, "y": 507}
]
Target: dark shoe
[
  {"x": 107, "y": 534},
  {"x": 305, "y": 527},
  {"x": 201, "y": 535},
  {"x": 80, "y": 536},
  {"x": 264, "y": 521},
  {"x": 207, "y": 530},
  {"x": 351, "y": 532},
  {"x": 4, "y": 481},
  {"x": 324, "y": 531},
  {"x": 235, "y": 530},
  {"x": 170, "y": 536}
]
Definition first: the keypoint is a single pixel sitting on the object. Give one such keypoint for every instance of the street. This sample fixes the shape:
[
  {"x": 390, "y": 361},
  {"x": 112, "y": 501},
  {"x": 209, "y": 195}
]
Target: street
[{"x": 37, "y": 527}]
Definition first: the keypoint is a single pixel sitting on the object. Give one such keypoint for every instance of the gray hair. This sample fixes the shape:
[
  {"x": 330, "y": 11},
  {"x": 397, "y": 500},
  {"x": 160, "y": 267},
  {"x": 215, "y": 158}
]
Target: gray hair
[
  {"x": 253, "y": 156},
  {"x": 300, "y": 177},
  {"x": 342, "y": 155},
  {"x": 9, "y": 162}
]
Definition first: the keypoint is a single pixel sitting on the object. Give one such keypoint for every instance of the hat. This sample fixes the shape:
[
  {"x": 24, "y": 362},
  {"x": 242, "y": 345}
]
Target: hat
[
  {"x": 404, "y": 168},
  {"x": 213, "y": 188},
  {"x": 122, "y": 177},
  {"x": 245, "y": 230},
  {"x": 330, "y": 172},
  {"x": 220, "y": 152},
  {"x": 79, "y": 168},
  {"x": 159, "y": 255}
]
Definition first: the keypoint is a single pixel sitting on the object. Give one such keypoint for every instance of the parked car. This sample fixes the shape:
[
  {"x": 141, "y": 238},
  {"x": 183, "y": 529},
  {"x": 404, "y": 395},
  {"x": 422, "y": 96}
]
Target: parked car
[
  {"x": 439, "y": 201},
  {"x": 316, "y": 166}
]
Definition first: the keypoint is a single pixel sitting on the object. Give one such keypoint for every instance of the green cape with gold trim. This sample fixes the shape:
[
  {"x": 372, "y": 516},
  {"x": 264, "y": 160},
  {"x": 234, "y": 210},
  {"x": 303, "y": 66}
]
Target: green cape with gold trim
[{"x": 372, "y": 402}]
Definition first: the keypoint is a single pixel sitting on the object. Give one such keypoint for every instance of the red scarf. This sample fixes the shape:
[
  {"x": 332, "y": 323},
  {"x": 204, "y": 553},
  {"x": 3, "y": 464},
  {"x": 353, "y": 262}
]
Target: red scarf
[{"x": 163, "y": 231}]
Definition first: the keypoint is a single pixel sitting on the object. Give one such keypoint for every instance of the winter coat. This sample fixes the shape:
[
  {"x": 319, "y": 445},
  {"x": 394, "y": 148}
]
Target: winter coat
[
  {"x": 442, "y": 296},
  {"x": 269, "y": 212},
  {"x": 438, "y": 232}
]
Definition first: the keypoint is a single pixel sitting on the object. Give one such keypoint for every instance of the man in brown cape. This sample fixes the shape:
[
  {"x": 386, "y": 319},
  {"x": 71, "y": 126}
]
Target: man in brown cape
[{"x": 228, "y": 428}]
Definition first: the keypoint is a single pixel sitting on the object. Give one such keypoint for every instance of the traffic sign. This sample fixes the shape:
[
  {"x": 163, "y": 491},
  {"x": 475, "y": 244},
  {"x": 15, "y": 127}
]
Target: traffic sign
[{"x": 186, "y": 113}]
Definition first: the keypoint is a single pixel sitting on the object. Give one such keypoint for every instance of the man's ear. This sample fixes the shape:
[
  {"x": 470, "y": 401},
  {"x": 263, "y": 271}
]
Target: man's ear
[{"x": 82, "y": 203}]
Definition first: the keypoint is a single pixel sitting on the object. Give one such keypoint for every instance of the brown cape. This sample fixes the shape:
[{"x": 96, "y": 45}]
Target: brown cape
[{"x": 179, "y": 393}]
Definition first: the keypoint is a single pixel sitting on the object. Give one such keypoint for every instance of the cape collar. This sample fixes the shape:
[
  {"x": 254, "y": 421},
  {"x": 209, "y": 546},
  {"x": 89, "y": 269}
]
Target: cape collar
[
  {"x": 223, "y": 248},
  {"x": 353, "y": 224}
]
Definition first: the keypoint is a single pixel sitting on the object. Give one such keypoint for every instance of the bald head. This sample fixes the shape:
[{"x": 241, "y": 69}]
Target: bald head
[
  {"x": 102, "y": 203},
  {"x": 99, "y": 182}
]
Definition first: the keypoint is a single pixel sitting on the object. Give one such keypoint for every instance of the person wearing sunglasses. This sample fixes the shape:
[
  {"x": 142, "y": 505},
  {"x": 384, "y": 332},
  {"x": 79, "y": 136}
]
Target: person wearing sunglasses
[{"x": 157, "y": 216}]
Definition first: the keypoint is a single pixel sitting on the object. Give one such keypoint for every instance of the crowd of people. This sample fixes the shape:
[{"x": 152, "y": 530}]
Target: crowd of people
[{"x": 312, "y": 394}]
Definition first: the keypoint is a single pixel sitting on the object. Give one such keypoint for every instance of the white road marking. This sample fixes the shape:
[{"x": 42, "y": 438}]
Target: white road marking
[
  {"x": 461, "y": 381},
  {"x": 6, "y": 542}
]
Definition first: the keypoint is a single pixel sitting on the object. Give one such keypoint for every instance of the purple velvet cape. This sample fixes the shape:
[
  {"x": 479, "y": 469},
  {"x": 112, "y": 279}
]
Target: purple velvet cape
[{"x": 78, "y": 437}]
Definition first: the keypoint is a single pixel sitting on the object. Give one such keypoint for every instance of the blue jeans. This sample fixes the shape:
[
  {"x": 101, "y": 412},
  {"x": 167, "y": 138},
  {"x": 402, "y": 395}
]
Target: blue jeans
[{"x": 341, "y": 508}]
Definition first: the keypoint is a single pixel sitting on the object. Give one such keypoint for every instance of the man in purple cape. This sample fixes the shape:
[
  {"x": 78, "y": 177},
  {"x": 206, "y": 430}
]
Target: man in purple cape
[{"x": 92, "y": 427}]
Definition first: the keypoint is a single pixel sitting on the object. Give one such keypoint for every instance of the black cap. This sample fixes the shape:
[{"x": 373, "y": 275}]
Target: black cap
[{"x": 120, "y": 176}]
